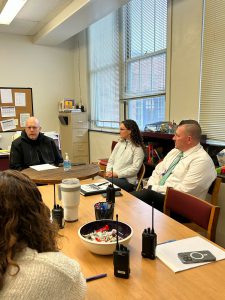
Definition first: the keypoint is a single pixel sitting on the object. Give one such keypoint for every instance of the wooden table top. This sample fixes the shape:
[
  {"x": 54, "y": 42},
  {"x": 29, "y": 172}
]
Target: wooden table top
[
  {"x": 149, "y": 279},
  {"x": 54, "y": 176}
]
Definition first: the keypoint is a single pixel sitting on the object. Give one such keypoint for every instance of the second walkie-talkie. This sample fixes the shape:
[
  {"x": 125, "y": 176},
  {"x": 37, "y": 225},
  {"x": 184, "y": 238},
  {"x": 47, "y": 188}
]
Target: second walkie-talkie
[
  {"x": 149, "y": 240},
  {"x": 110, "y": 192},
  {"x": 58, "y": 213},
  {"x": 121, "y": 258}
]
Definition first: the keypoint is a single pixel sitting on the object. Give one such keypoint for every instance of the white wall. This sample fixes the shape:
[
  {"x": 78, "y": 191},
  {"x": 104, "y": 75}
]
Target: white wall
[
  {"x": 81, "y": 69},
  {"x": 49, "y": 71},
  {"x": 101, "y": 145},
  {"x": 183, "y": 82}
]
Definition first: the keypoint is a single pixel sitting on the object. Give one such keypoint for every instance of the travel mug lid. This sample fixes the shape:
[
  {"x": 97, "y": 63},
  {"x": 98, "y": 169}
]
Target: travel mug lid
[{"x": 70, "y": 181}]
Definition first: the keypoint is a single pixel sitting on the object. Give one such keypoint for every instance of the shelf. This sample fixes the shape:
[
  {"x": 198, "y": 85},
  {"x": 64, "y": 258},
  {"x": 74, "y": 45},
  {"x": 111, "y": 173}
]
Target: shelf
[{"x": 157, "y": 135}]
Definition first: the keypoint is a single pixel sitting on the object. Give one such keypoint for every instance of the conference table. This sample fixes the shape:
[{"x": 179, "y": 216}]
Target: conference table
[
  {"x": 149, "y": 279},
  {"x": 54, "y": 176}
]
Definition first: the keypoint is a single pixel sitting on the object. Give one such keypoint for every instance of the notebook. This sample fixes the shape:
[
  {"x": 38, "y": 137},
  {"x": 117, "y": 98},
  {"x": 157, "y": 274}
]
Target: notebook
[
  {"x": 168, "y": 252},
  {"x": 96, "y": 188}
]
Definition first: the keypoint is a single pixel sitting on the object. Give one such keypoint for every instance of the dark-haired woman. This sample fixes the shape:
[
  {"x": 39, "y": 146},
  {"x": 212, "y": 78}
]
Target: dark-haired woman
[
  {"x": 31, "y": 267},
  {"x": 127, "y": 156}
]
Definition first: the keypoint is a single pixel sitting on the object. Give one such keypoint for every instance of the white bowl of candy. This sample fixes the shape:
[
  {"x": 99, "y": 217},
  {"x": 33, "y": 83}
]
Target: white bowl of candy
[{"x": 99, "y": 236}]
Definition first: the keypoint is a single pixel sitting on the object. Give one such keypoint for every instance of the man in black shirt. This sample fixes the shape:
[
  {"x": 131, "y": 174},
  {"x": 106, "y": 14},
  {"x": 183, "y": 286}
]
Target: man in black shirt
[{"x": 33, "y": 148}]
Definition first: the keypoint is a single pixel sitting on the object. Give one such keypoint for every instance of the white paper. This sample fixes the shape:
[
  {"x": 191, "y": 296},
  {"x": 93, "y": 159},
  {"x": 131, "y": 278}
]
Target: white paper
[
  {"x": 20, "y": 99},
  {"x": 8, "y": 111},
  {"x": 8, "y": 125},
  {"x": 168, "y": 252},
  {"x": 23, "y": 119},
  {"x": 6, "y": 96},
  {"x": 43, "y": 167}
]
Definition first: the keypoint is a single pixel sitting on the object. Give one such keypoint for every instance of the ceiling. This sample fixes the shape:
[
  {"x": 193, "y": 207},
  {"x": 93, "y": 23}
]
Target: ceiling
[{"x": 51, "y": 22}]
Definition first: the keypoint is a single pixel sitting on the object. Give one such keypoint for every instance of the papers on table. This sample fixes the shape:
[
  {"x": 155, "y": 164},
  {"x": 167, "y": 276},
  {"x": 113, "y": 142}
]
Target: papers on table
[
  {"x": 168, "y": 252},
  {"x": 96, "y": 188},
  {"x": 43, "y": 167}
]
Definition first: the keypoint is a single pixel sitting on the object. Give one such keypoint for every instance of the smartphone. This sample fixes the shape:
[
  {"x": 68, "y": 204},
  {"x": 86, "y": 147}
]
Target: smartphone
[
  {"x": 196, "y": 257},
  {"x": 117, "y": 194}
]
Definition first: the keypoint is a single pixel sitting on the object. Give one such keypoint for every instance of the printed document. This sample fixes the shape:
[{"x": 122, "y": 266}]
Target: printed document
[
  {"x": 167, "y": 252},
  {"x": 43, "y": 167}
]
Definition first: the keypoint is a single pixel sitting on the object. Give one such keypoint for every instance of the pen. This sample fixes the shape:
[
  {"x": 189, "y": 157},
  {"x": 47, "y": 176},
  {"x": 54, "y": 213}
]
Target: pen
[
  {"x": 103, "y": 183},
  {"x": 169, "y": 241},
  {"x": 96, "y": 277}
]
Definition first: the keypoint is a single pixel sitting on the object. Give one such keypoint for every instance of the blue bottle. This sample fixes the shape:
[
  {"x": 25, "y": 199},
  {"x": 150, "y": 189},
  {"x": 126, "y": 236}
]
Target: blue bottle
[{"x": 67, "y": 163}]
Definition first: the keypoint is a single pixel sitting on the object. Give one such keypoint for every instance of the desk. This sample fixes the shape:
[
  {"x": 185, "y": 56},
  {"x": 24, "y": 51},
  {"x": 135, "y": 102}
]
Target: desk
[
  {"x": 55, "y": 176},
  {"x": 149, "y": 279}
]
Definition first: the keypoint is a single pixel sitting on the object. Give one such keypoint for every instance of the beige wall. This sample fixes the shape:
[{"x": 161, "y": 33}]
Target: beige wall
[
  {"x": 101, "y": 145},
  {"x": 49, "y": 71},
  {"x": 183, "y": 82}
]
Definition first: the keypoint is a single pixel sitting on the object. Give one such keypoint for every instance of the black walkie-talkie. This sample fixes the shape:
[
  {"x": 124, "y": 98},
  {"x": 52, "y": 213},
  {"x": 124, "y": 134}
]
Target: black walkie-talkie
[
  {"x": 121, "y": 258},
  {"x": 110, "y": 192},
  {"x": 149, "y": 240},
  {"x": 58, "y": 213}
]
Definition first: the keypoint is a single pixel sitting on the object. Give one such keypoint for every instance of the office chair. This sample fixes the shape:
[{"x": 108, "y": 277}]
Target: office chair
[
  {"x": 214, "y": 191},
  {"x": 140, "y": 176},
  {"x": 103, "y": 161},
  {"x": 202, "y": 214}
]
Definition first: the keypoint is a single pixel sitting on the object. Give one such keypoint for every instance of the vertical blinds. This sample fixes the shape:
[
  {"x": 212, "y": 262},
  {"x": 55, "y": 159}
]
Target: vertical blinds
[
  {"x": 212, "y": 98},
  {"x": 103, "y": 39}
]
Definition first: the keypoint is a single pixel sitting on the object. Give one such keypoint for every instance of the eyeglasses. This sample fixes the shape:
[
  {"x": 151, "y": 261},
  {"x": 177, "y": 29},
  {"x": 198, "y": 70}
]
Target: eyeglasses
[{"x": 32, "y": 127}]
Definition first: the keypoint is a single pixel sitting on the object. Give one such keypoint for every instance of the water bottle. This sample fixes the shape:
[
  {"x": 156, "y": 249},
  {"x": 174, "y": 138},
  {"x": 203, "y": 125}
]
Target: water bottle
[{"x": 67, "y": 163}]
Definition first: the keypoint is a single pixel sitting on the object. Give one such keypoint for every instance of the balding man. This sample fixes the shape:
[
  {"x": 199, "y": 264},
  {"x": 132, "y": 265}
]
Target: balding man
[
  {"x": 187, "y": 168},
  {"x": 33, "y": 148}
]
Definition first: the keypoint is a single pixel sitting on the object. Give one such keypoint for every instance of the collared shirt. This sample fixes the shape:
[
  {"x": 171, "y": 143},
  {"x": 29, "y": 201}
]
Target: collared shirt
[
  {"x": 193, "y": 174},
  {"x": 126, "y": 160}
]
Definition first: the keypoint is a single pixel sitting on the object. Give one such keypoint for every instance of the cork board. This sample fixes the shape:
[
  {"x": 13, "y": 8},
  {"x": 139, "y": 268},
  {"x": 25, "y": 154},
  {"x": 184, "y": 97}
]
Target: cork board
[{"x": 16, "y": 106}]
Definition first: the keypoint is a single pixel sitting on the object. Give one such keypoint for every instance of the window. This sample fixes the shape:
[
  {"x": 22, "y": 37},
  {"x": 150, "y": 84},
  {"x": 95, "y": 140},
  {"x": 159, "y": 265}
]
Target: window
[
  {"x": 103, "y": 37},
  {"x": 129, "y": 65},
  {"x": 145, "y": 27}
]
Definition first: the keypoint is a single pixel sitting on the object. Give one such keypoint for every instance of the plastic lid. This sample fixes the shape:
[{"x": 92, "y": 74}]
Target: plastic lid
[{"x": 70, "y": 181}]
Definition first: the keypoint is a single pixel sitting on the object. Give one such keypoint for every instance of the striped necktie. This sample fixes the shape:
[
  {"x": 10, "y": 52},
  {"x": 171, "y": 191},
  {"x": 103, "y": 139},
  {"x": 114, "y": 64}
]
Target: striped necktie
[{"x": 170, "y": 169}]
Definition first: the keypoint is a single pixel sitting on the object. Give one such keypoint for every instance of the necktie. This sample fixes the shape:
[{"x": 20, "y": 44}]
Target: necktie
[{"x": 170, "y": 169}]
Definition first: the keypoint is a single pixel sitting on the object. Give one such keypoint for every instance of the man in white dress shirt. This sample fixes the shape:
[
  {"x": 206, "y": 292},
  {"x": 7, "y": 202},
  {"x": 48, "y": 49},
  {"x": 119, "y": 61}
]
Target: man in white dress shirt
[{"x": 193, "y": 174}]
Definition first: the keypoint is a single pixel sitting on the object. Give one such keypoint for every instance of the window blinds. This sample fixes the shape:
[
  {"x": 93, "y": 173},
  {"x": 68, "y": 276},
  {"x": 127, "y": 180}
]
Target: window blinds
[
  {"x": 212, "y": 97},
  {"x": 103, "y": 39}
]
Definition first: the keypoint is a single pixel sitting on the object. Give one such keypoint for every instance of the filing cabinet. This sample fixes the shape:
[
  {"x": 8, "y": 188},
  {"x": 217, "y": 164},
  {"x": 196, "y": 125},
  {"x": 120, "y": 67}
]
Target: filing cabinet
[{"x": 74, "y": 136}]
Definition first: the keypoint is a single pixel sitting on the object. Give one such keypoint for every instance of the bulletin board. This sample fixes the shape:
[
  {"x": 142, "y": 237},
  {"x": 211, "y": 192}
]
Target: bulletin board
[{"x": 16, "y": 106}]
